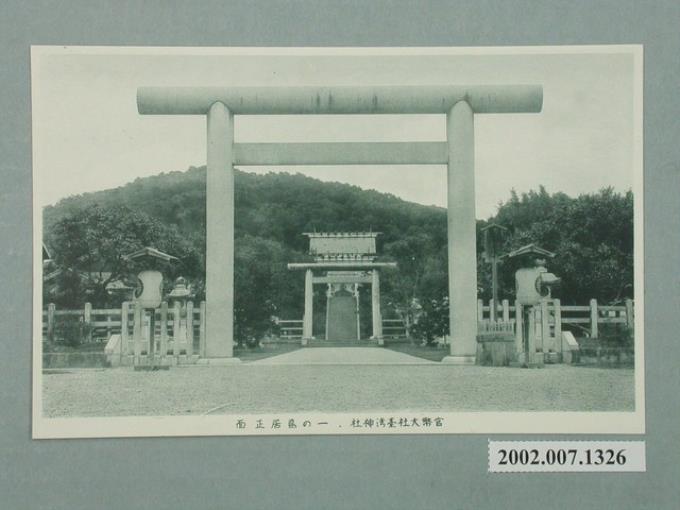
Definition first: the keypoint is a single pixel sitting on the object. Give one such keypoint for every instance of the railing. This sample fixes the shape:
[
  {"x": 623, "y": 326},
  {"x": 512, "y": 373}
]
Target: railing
[
  {"x": 586, "y": 318},
  {"x": 495, "y": 327},
  {"x": 177, "y": 329},
  {"x": 171, "y": 333},
  {"x": 290, "y": 329},
  {"x": 98, "y": 324},
  {"x": 394, "y": 328}
]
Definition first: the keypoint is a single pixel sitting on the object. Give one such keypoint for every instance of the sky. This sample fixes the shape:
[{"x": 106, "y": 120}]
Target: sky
[{"x": 89, "y": 136}]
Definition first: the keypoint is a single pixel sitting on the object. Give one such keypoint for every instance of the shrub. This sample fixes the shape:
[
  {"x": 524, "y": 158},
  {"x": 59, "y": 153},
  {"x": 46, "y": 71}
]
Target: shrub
[
  {"x": 617, "y": 337},
  {"x": 433, "y": 322},
  {"x": 71, "y": 330}
]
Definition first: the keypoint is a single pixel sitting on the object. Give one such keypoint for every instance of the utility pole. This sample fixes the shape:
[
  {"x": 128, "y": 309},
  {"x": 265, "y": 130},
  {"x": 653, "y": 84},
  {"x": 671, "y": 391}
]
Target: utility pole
[{"x": 492, "y": 243}]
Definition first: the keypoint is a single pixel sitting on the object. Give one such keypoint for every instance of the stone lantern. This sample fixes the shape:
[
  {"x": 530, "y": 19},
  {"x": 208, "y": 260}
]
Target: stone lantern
[
  {"x": 533, "y": 284},
  {"x": 148, "y": 295},
  {"x": 180, "y": 293}
]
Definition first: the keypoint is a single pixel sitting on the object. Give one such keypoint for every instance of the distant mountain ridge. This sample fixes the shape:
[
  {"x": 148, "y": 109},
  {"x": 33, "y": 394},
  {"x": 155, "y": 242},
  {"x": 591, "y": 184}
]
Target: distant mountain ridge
[{"x": 278, "y": 206}]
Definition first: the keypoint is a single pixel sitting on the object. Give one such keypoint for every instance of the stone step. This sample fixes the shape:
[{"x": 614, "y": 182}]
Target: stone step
[{"x": 348, "y": 343}]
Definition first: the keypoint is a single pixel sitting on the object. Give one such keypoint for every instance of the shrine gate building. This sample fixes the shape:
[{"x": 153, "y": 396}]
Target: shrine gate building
[{"x": 342, "y": 262}]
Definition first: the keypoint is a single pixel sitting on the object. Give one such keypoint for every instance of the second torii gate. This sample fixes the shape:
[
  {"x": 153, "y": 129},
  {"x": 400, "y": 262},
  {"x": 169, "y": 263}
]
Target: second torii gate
[
  {"x": 346, "y": 258},
  {"x": 458, "y": 103}
]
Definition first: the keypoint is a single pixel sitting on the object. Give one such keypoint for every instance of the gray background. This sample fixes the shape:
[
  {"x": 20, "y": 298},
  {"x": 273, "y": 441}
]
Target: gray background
[{"x": 330, "y": 472}]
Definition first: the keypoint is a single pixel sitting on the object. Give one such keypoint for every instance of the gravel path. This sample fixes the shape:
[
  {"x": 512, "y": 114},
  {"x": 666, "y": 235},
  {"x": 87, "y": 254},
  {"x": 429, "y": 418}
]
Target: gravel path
[
  {"x": 262, "y": 388},
  {"x": 343, "y": 355}
]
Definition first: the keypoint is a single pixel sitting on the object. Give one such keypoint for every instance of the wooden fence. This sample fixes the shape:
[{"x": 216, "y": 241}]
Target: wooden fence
[
  {"x": 177, "y": 329},
  {"x": 99, "y": 324},
  {"x": 584, "y": 318},
  {"x": 394, "y": 328},
  {"x": 292, "y": 329},
  {"x": 181, "y": 330}
]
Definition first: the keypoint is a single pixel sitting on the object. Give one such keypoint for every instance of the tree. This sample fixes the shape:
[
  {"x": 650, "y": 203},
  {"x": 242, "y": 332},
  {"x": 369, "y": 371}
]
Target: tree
[
  {"x": 263, "y": 287},
  {"x": 591, "y": 235},
  {"x": 420, "y": 277},
  {"x": 433, "y": 321},
  {"x": 92, "y": 243}
]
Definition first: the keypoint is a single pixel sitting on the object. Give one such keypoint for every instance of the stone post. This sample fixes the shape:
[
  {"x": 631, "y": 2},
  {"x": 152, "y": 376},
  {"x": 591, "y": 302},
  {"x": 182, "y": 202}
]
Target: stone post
[
  {"x": 546, "y": 339},
  {"x": 519, "y": 327},
  {"x": 557, "y": 307},
  {"x": 124, "y": 336},
  {"x": 220, "y": 234},
  {"x": 356, "y": 299},
  {"x": 190, "y": 328},
  {"x": 50, "y": 321},
  {"x": 506, "y": 311},
  {"x": 201, "y": 332},
  {"x": 593, "y": 318},
  {"x": 375, "y": 307},
  {"x": 164, "y": 331},
  {"x": 137, "y": 332},
  {"x": 329, "y": 294},
  {"x": 494, "y": 289},
  {"x": 533, "y": 357},
  {"x": 462, "y": 240},
  {"x": 630, "y": 314},
  {"x": 87, "y": 320},
  {"x": 309, "y": 308},
  {"x": 176, "y": 310},
  {"x": 151, "y": 352}
]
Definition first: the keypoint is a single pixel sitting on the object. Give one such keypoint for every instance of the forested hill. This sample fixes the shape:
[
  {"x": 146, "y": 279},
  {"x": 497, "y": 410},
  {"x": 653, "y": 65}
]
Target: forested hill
[
  {"x": 592, "y": 236},
  {"x": 275, "y": 206}
]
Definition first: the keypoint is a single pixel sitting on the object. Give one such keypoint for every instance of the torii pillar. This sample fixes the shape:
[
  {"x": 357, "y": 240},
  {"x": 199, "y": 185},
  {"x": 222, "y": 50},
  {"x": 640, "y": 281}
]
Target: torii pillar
[
  {"x": 375, "y": 307},
  {"x": 458, "y": 103},
  {"x": 219, "y": 257},
  {"x": 308, "y": 317},
  {"x": 462, "y": 236}
]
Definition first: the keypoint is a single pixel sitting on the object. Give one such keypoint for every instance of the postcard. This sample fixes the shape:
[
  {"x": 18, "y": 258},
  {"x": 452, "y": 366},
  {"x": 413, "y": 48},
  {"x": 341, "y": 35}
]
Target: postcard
[{"x": 286, "y": 241}]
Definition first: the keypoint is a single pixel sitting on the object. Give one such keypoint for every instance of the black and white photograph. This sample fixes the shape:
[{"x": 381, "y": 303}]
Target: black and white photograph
[{"x": 286, "y": 241}]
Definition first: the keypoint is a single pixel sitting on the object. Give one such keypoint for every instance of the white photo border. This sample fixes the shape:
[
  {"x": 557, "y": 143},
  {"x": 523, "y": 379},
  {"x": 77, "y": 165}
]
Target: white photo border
[{"x": 340, "y": 423}]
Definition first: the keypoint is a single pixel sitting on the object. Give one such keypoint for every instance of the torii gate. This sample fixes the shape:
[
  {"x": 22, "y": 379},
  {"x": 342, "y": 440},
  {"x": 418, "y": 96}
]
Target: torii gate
[{"x": 459, "y": 103}]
